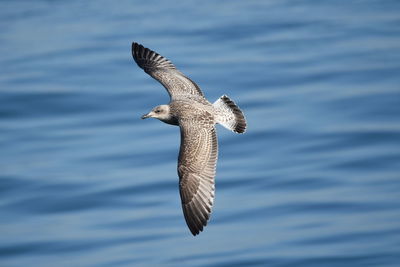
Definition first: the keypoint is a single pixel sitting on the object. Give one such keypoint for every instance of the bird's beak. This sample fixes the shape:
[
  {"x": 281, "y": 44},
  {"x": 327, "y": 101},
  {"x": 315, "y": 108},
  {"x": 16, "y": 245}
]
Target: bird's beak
[{"x": 145, "y": 116}]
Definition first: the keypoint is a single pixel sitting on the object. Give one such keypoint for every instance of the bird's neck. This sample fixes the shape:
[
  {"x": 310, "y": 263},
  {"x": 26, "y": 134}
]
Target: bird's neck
[{"x": 170, "y": 120}]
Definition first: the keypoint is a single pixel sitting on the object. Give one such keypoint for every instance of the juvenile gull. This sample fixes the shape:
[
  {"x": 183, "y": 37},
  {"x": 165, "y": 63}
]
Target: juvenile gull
[{"x": 196, "y": 118}]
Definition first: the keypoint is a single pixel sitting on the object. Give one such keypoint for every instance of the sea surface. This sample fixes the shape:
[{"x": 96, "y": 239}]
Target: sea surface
[{"x": 315, "y": 180}]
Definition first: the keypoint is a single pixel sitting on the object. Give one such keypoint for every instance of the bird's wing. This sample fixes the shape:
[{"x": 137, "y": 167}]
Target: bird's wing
[
  {"x": 165, "y": 72},
  {"x": 196, "y": 169}
]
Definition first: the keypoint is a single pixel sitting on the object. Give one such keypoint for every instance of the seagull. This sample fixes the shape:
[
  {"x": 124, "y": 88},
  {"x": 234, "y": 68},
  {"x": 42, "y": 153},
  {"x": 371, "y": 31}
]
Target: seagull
[{"x": 196, "y": 118}]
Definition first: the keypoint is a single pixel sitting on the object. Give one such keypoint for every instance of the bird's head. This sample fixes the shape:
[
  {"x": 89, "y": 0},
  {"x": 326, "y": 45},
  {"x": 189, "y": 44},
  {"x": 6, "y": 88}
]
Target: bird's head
[{"x": 161, "y": 112}]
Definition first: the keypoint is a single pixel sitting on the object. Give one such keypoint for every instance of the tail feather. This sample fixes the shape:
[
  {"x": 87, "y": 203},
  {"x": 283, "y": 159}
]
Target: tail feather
[{"x": 229, "y": 115}]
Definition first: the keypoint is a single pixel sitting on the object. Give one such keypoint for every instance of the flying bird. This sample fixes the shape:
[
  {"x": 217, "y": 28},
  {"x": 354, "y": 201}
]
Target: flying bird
[{"x": 196, "y": 118}]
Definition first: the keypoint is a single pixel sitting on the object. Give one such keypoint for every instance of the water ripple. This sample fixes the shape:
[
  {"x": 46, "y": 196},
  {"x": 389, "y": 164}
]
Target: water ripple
[{"x": 313, "y": 182}]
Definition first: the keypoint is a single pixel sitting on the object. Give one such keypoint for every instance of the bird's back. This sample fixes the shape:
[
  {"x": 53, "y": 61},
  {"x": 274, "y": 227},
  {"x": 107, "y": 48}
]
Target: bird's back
[{"x": 201, "y": 112}]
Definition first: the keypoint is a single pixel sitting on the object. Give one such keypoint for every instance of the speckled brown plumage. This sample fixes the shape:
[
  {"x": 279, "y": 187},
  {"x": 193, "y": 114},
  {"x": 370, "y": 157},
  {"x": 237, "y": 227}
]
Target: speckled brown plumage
[{"x": 196, "y": 117}]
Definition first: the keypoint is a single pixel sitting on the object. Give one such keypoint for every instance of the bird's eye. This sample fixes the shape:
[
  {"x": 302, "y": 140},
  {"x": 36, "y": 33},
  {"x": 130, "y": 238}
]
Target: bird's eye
[{"x": 157, "y": 111}]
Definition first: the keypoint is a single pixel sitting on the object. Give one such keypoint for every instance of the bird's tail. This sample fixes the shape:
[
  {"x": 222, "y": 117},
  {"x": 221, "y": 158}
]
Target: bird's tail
[{"x": 229, "y": 115}]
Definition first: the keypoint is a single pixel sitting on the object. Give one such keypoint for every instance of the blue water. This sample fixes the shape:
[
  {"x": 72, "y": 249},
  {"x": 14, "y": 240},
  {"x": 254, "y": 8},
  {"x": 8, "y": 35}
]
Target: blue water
[{"x": 315, "y": 181}]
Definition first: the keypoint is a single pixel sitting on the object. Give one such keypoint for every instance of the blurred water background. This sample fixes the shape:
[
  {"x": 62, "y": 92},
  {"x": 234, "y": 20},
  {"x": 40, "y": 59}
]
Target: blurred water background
[{"x": 314, "y": 182}]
